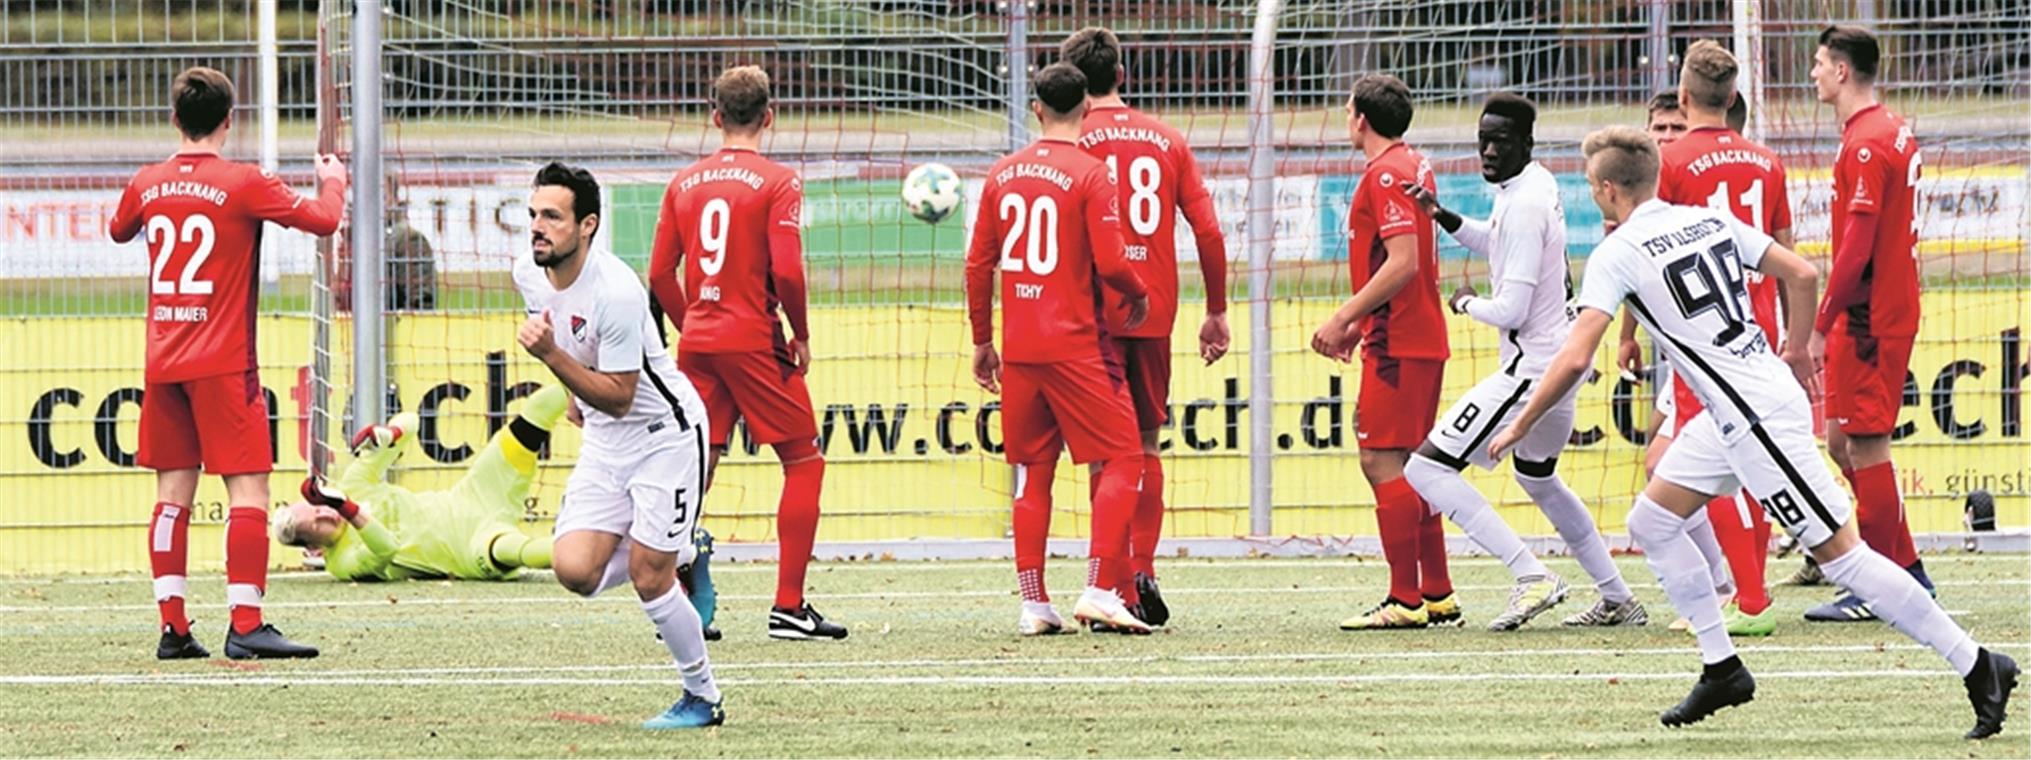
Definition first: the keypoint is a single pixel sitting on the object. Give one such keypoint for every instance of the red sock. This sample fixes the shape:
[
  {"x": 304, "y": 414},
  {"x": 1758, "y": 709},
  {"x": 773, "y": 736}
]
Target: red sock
[
  {"x": 1435, "y": 580},
  {"x": 1147, "y": 528},
  {"x": 1397, "y": 518},
  {"x": 246, "y": 565},
  {"x": 1738, "y": 545},
  {"x": 796, "y": 528},
  {"x": 1113, "y": 509},
  {"x": 1879, "y": 510},
  {"x": 169, "y": 561},
  {"x": 1033, "y": 527}
]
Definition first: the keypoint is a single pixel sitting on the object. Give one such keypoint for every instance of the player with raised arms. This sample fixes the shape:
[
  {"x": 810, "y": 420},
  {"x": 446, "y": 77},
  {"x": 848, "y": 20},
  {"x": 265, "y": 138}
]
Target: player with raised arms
[
  {"x": 202, "y": 405},
  {"x": 1524, "y": 240},
  {"x": 1392, "y": 260},
  {"x": 1713, "y": 165},
  {"x": 638, "y": 487},
  {"x": 1681, "y": 269},
  {"x": 733, "y": 222},
  {"x": 1866, "y": 324},
  {"x": 1158, "y": 179},
  {"x": 1049, "y": 220}
]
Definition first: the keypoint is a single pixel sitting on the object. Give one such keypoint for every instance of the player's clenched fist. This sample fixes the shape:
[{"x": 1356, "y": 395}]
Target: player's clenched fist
[{"x": 537, "y": 337}]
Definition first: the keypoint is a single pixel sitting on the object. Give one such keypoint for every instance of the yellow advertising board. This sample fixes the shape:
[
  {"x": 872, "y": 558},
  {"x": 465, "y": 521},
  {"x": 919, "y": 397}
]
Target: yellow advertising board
[{"x": 912, "y": 444}]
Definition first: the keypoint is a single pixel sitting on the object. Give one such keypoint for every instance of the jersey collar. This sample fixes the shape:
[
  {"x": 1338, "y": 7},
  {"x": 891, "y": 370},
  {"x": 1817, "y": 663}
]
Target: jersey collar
[
  {"x": 1528, "y": 168},
  {"x": 1858, "y": 114},
  {"x": 1645, "y": 208}
]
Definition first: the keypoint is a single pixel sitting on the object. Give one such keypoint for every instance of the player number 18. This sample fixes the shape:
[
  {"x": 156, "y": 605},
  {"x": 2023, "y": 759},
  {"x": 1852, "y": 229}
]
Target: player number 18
[{"x": 1144, "y": 207}]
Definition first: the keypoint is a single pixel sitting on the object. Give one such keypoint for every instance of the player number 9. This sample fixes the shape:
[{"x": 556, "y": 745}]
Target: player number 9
[{"x": 712, "y": 224}]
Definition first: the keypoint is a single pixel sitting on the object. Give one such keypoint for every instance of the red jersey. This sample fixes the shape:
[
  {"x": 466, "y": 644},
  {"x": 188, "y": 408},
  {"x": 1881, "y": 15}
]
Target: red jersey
[
  {"x": 1877, "y": 173},
  {"x": 1409, "y": 325},
  {"x": 1157, "y": 177},
  {"x": 203, "y": 216},
  {"x": 1049, "y": 221},
  {"x": 1722, "y": 170},
  {"x": 735, "y": 221}
]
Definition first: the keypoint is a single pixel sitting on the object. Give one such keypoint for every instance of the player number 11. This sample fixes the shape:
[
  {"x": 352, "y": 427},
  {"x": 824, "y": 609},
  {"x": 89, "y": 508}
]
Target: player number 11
[{"x": 1751, "y": 199}]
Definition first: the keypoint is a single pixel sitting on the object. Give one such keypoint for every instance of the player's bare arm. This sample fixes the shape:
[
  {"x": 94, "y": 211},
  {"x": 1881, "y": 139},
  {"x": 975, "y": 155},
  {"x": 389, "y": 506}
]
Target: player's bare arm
[
  {"x": 609, "y": 392},
  {"x": 1566, "y": 370},
  {"x": 1336, "y": 339}
]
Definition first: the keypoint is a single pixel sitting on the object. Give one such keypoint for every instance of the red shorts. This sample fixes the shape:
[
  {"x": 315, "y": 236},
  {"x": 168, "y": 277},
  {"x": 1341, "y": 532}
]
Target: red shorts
[
  {"x": 220, "y": 422},
  {"x": 1146, "y": 365},
  {"x": 1398, "y": 401},
  {"x": 1865, "y": 382},
  {"x": 760, "y": 387},
  {"x": 1082, "y": 403}
]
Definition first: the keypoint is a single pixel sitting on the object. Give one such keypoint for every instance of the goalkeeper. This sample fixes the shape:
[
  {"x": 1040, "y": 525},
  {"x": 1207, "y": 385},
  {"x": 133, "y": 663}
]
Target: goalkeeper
[{"x": 371, "y": 529}]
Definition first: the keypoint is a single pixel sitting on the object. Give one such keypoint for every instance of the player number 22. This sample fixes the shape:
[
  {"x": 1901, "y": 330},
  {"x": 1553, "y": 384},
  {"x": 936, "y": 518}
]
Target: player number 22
[
  {"x": 712, "y": 224},
  {"x": 162, "y": 234},
  {"x": 1144, "y": 207},
  {"x": 1040, "y": 237}
]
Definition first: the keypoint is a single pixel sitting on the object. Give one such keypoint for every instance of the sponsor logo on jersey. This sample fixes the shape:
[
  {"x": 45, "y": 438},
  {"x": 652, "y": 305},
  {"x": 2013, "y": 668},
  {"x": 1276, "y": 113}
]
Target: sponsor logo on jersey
[
  {"x": 577, "y": 327},
  {"x": 1863, "y": 154},
  {"x": 1387, "y": 181}
]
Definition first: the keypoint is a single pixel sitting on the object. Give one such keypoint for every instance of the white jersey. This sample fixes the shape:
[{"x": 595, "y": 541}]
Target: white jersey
[
  {"x": 1681, "y": 269},
  {"x": 603, "y": 321},
  {"x": 1524, "y": 241}
]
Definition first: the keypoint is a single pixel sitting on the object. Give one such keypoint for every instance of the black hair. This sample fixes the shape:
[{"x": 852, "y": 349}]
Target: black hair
[
  {"x": 1061, "y": 87},
  {"x": 1097, "y": 54},
  {"x": 584, "y": 189},
  {"x": 1855, "y": 44},
  {"x": 1385, "y": 101},
  {"x": 1513, "y": 107}
]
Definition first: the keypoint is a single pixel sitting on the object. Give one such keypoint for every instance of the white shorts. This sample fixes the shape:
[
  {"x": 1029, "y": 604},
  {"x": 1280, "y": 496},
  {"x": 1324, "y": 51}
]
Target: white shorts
[
  {"x": 1461, "y": 434},
  {"x": 1777, "y": 461},
  {"x": 651, "y": 493},
  {"x": 1665, "y": 389}
]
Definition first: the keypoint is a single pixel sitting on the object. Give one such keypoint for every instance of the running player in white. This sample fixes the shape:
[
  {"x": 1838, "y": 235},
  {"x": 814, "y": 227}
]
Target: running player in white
[
  {"x": 632, "y": 499},
  {"x": 1680, "y": 269},
  {"x": 1525, "y": 242}
]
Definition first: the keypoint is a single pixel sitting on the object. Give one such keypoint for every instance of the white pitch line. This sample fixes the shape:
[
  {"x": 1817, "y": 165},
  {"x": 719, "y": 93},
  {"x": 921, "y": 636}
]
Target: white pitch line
[
  {"x": 1040, "y": 661},
  {"x": 1203, "y": 680},
  {"x": 974, "y": 594},
  {"x": 1183, "y": 564}
]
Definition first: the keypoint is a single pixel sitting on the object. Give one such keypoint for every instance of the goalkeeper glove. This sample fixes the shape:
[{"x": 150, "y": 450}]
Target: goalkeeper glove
[{"x": 317, "y": 493}]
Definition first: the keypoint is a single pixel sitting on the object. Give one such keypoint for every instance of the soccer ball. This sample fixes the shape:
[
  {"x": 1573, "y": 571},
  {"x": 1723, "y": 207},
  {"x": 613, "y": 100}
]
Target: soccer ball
[{"x": 931, "y": 192}]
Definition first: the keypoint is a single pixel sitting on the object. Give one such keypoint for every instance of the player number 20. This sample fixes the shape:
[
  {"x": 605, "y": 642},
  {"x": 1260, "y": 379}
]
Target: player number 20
[
  {"x": 162, "y": 233},
  {"x": 1145, "y": 209},
  {"x": 712, "y": 224},
  {"x": 1040, "y": 237}
]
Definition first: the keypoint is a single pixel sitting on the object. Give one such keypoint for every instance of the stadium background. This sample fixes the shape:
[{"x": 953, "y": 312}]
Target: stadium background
[{"x": 476, "y": 96}]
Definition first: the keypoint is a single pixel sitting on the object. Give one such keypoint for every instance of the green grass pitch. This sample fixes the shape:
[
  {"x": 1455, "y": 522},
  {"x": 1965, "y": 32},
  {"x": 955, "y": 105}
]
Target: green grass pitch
[{"x": 1253, "y": 665}]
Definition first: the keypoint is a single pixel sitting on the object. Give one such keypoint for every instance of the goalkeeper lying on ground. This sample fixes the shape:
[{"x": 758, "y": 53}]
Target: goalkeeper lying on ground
[{"x": 371, "y": 529}]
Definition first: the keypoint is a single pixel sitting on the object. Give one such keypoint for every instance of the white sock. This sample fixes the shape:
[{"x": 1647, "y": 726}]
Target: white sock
[
  {"x": 1449, "y": 493},
  {"x": 1576, "y": 525},
  {"x": 1702, "y": 533},
  {"x": 616, "y": 572},
  {"x": 1678, "y": 565},
  {"x": 685, "y": 636},
  {"x": 1897, "y": 598}
]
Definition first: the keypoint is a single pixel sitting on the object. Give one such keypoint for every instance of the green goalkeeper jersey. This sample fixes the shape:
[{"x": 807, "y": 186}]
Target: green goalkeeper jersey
[{"x": 432, "y": 534}]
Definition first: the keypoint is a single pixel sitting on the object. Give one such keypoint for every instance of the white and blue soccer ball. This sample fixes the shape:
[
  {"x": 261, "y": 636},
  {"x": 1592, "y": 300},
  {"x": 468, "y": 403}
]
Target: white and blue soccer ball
[{"x": 931, "y": 192}]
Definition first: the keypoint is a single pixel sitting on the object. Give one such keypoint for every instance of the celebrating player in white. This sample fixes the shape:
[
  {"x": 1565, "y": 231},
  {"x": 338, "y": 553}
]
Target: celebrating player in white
[
  {"x": 1680, "y": 268},
  {"x": 1525, "y": 242},
  {"x": 632, "y": 499}
]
